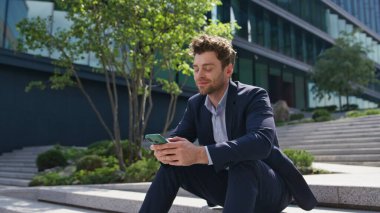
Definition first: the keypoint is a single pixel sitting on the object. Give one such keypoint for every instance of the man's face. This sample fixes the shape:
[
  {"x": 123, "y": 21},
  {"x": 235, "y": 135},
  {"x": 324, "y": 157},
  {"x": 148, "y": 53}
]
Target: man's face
[{"x": 208, "y": 73}]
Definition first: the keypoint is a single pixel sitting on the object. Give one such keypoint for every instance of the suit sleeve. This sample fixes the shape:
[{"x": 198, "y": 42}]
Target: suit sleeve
[
  {"x": 256, "y": 144},
  {"x": 186, "y": 127}
]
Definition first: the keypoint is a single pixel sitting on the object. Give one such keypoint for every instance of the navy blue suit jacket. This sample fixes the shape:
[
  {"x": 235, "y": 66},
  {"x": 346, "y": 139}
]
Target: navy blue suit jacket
[{"x": 251, "y": 136}]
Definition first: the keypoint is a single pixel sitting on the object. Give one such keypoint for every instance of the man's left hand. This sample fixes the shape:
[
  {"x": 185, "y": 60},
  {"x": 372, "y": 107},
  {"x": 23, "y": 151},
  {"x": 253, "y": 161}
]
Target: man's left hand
[{"x": 180, "y": 152}]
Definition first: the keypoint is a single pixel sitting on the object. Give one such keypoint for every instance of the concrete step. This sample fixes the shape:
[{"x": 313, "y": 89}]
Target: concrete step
[
  {"x": 320, "y": 135},
  {"x": 17, "y": 175},
  {"x": 18, "y": 169},
  {"x": 335, "y": 123},
  {"x": 17, "y": 164},
  {"x": 14, "y": 182},
  {"x": 17, "y": 161},
  {"x": 5, "y": 187},
  {"x": 24, "y": 152},
  {"x": 297, "y": 129},
  {"x": 372, "y": 164},
  {"x": 330, "y": 125},
  {"x": 346, "y": 151},
  {"x": 332, "y": 145},
  {"x": 16, "y": 205},
  {"x": 37, "y": 148},
  {"x": 329, "y": 140},
  {"x": 348, "y": 158},
  {"x": 25, "y": 159},
  {"x": 329, "y": 132},
  {"x": 12, "y": 155},
  {"x": 118, "y": 201},
  {"x": 325, "y": 126},
  {"x": 113, "y": 200}
]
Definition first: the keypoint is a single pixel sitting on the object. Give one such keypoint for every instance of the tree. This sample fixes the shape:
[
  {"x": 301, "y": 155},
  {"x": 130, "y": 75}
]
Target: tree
[
  {"x": 134, "y": 40},
  {"x": 343, "y": 69}
]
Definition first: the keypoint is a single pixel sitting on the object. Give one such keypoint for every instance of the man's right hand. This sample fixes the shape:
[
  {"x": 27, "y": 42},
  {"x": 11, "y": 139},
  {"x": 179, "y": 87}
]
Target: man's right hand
[{"x": 180, "y": 152}]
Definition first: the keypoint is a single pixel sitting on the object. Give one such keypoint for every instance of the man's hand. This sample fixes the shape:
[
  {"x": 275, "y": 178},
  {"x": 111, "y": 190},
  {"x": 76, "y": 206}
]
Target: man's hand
[{"x": 180, "y": 152}]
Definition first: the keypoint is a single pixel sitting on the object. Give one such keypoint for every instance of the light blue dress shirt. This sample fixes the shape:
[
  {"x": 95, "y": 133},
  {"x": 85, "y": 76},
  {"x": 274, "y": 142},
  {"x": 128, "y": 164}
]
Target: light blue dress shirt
[{"x": 218, "y": 121}]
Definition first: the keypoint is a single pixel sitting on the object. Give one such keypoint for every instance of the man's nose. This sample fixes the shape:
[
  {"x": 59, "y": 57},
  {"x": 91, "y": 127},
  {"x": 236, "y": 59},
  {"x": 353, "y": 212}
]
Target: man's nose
[{"x": 201, "y": 72}]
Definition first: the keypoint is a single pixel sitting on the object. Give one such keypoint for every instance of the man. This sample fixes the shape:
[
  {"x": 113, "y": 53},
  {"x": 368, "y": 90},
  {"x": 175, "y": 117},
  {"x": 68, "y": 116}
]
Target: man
[{"x": 238, "y": 164}]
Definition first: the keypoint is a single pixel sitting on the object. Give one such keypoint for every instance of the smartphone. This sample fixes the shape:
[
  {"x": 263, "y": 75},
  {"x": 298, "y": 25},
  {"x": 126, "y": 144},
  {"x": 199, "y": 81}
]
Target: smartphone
[{"x": 156, "y": 138}]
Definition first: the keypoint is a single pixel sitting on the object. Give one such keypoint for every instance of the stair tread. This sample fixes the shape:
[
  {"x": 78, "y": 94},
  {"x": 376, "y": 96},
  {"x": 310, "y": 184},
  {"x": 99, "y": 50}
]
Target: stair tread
[{"x": 20, "y": 205}]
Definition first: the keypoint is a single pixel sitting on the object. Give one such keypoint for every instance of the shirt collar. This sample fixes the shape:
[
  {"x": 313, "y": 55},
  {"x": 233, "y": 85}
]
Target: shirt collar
[{"x": 221, "y": 105}]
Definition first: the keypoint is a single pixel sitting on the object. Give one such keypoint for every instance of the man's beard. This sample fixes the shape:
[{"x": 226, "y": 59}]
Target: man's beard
[{"x": 212, "y": 88}]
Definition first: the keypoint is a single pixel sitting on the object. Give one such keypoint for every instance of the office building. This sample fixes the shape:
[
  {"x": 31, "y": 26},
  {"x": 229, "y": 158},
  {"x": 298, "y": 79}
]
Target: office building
[{"x": 277, "y": 45}]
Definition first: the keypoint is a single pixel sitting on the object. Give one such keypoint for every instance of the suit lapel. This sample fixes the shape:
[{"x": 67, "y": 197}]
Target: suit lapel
[
  {"x": 206, "y": 124},
  {"x": 230, "y": 108}
]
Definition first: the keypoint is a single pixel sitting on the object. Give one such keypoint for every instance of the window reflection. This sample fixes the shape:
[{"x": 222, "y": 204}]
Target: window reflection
[{"x": 17, "y": 10}]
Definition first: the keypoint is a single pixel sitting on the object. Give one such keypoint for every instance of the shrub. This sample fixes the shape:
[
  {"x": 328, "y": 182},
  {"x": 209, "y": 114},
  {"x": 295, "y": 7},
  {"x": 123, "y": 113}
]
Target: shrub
[
  {"x": 354, "y": 114},
  {"x": 50, "y": 179},
  {"x": 73, "y": 153},
  {"x": 330, "y": 108},
  {"x": 321, "y": 115},
  {"x": 372, "y": 112},
  {"x": 142, "y": 170},
  {"x": 296, "y": 116},
  {"x": 50, "y": 159},
  {"x": 107, "y": 148},
  {"x": 349, "y": 107},
  {"x": 90, "y": 163},
  {"x": 127, "y": 148},
  {"x": 300, "y": 158},
  {"x": 99, "y": 176},
  {"x": 98, "y": 148},
  {"x": 281, "y": 111},
  {"x": 110, "y": 161}
]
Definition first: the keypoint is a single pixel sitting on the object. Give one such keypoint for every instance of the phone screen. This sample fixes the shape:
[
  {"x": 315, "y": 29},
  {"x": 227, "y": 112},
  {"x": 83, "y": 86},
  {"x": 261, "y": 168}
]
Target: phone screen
[{"x": 156, "y": 138}]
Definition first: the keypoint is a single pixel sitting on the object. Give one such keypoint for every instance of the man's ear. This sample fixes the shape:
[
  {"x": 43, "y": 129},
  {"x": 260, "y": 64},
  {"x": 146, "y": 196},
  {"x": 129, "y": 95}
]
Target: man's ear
[{"x": 229, "y": 70}]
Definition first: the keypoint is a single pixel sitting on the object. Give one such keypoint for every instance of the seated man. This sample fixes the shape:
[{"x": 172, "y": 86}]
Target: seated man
[{"x": 238, "y": 164}]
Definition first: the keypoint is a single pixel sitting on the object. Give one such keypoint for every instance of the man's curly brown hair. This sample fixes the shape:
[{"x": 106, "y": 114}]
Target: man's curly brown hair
[{"x": 221, "y": 46}]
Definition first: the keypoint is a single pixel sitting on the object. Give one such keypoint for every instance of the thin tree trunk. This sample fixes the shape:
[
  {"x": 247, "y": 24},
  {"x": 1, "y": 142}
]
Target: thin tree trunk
[
  {"x": 171, "y": 112},
  {"x": 113, "y": 99}
]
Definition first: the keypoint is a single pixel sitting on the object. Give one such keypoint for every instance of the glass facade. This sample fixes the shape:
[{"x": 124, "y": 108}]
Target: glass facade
[
  {"x": 273, "y": 33},
  {"x": 367, "y": 11},
  {"x": 309, "y": 11},
  {"x": 267, "y": 29}
]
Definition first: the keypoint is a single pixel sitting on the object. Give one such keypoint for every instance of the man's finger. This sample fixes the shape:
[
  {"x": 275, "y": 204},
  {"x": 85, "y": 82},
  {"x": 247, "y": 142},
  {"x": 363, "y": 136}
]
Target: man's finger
[
  {"x": 168, "y": 152},
  {"x": 175, "y": 163},
  {"x": 175, "y": 139}
]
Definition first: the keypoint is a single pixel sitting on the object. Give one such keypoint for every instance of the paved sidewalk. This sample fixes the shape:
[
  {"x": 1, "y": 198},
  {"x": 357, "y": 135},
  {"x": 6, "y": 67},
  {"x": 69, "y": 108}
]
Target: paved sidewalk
[
  {"x": 295, "y": 209},
  {"x": 346, "y": 175}
]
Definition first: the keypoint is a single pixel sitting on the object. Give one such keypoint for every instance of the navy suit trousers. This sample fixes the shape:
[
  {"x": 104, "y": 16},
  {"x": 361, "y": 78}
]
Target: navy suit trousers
[{"x": 249, "y": 186}]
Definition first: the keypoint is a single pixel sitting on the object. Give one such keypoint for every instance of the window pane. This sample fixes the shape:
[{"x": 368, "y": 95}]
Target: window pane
[
  {"x": 17, "y": 10},
  {"x": 245, "y": 70},
  {"x": 300, "y": 92},
  {"x": 273, "y": 32},
  {"x": 261, "y": 74},
  {"x": 43, "y": 10},
  {"x": 2, "y": 20}
]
